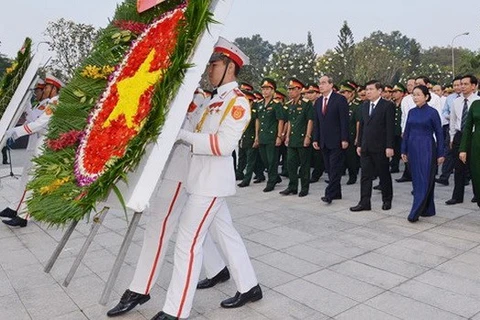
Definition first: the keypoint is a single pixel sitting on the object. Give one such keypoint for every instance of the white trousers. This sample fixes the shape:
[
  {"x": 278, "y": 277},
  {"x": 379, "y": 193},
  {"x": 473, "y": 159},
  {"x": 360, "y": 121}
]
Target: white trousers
[
  {"x": 200, "y": 214},
  {"x": 164, "y": 212}
]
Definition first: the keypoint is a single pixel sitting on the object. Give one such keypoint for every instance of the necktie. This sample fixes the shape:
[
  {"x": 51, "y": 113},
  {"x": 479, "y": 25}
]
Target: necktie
[
  {"x": 464, "y": 114},
  {"x": 324, "y": 107},
  {"x": 214, "y": 92},
  {"x": 372, "y": 106}
]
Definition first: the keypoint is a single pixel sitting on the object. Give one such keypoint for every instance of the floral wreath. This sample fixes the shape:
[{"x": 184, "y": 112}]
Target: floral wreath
[
  {"x": 113, "y": 107},
  {"x": 14, "y": 74}
]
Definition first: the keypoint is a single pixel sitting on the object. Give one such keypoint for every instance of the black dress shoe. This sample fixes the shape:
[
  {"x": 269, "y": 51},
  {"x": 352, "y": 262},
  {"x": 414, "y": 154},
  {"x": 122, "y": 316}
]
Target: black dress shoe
[
  {"x": 268, "y": 188},
  {"x": 326, "y": 200},
  {"x": 243, "y": 184},
  {"x": 240, "y": 299},
  {"x": 377, "y": 187},
  {"x": 303, "y": 193},
  {"x": 387, "y": 206},
  {"x": 128, "y": 301},
  {"x": 360, "y": 207},
  {"x": 352, "y": 180},
  {"x": 278, "y": 180},
  {"x": 163, "y": 316},
  {"x": 16, "y": 222},
  {"x": 327, "y": 181},
  {"x": 258, "y": 180},
  {"x": 8, "y": 213},
  {"x": 287, "y": 191},
  {"x": 474, "y": 199},
  {"x": 403, "y": 179},
  {"x": 313, "y": 180},
  {"x": 222, "y": 276},
  {"x": 239, "y": 177},
  {"x": 452, "y": 201},
  {"x": 442, "y": 181}
]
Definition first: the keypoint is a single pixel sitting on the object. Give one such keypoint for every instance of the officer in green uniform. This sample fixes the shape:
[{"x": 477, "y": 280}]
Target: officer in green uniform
[
  {"x": 242, "y": 152},
  {"x": 352, "y": 161},
  {"x": 281, "y": 96},
  {"x": 312, "y": 93},
  {"x": 298, "y": 139},
  {"x": 397, "y": 96},
  {"x": 248, "y": 147},
  {"x": 269, "y": 128}
]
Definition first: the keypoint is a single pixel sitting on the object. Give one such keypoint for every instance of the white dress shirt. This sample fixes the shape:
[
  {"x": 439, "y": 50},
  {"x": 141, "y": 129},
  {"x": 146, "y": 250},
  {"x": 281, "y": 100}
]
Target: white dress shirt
[{"x": 456, "y": 113}]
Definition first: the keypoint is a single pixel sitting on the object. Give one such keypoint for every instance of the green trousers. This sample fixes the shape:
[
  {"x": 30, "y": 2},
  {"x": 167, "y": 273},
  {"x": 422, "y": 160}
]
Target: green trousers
[
  {"x": 269, "y": 154},
  {"x": 299, "y": 157}
]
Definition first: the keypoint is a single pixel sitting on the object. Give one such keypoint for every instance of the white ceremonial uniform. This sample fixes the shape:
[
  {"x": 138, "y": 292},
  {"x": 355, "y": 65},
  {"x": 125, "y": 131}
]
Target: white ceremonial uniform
[
  {"x": 211, "y": 178},
  {"x": 35, "y": 127},
  {"x": 406, "y": 105},
  {"x": 164, "y": 211}
]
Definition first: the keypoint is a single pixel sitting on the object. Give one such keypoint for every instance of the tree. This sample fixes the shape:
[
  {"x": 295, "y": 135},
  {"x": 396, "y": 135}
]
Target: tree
[
  {"x": 293, "y": 60},
  {"x": 71, "y": 42},
  {"x": 259, "y": 52},
  {"x": 346, "y": 52},
  {"x": 5, "y": 62}
]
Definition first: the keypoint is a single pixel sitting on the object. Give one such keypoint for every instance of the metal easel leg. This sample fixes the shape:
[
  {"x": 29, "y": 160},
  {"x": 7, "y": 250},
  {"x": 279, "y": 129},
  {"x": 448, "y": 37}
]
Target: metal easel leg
[
  {"x": 127, "y": 240},
  {"x": 97, "y": 222},
  {"x": 60, "y": 247}
]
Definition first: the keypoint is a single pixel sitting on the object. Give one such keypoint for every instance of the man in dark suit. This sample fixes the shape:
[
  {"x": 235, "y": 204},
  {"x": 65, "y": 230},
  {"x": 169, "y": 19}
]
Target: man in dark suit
[
  {"x": 375, "y": 146},
  {"x": 330, "y": 134}
]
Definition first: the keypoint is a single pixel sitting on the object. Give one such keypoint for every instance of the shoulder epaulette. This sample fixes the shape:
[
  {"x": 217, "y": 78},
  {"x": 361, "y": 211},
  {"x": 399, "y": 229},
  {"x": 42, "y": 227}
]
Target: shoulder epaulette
[
  {"x": 289, "y": 102},
  {"x": 238, "y": 92},
  {"x": 277, "y": 101},
  {"x": 305, "y": 100}
]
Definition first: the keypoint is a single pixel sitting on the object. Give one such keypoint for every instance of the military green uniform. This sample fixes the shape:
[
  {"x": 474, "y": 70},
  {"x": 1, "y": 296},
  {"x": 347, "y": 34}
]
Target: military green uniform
[
  {"x": 352, "y": 160},
  {"x": 395, "y": 162},
  {"x": 299, "y": 114},
  {"x": 248, "y": 157},
  {"x": 268, "y": 116}
]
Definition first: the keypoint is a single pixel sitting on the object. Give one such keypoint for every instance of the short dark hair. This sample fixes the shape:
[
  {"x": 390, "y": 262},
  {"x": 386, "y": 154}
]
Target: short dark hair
[
  {"x": 473, "y": 79},
  {"x": 424, "y": 78},
  {"x": 459, "y": 77},
  {"x": 378, "y": 84},
  {"x": 424, "y": 90}
]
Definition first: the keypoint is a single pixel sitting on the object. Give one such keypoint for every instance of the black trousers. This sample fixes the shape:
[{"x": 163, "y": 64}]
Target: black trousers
[
  {"x": 373, "y": 164},
  {"x": 449, "y": 163},
  {"x": 397, "y": 150},
  {"x": 460, "y": 169},
  {"x": 334, "y": 160}
]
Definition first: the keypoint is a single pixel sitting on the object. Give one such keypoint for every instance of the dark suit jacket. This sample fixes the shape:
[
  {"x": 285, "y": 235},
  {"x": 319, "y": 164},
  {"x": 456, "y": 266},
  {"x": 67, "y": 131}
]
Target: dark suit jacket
[
  {"x": 331, "y": 129},
  {"x": 377, "y": 132}
]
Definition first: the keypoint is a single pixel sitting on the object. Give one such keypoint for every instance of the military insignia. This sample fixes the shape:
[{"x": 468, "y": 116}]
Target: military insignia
[
  {"x": 215, "y": 107},
  {"x": 238, "y": 112},
  {"x": 48, "y": 111},
  {"x": 192, "y": 107}
]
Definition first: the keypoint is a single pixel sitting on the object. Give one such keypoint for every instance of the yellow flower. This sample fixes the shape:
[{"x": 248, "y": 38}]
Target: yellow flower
[
  {"x": 54, "y": 185},
  {"x": 95, "y": 72}
]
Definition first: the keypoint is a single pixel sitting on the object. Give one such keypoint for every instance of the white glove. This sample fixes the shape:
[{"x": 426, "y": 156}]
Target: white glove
[
  {"x": 11, "y": 133},
  {"x": 185, "y": 136}
]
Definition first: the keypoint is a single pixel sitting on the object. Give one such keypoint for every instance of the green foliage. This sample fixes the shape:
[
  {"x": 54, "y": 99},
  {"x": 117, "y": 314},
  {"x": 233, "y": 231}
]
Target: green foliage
[
  {"x": 293, "y": 60},
  {"x": 14, "y": 74},
  {"x": 259, "y": 52},
  {"x": 5, "y": 62},
  {"x": 68, "y": 201}
]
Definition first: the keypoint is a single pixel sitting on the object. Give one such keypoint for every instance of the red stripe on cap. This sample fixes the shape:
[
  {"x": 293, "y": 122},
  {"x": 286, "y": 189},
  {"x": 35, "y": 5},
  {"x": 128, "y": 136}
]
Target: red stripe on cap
[
  {"x": 53, "y": 82},
  {"x": 232, "y": 55},
  {"x": 27, "y": 128}
]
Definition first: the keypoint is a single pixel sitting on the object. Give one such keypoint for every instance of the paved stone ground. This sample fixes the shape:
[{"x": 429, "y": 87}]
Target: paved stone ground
[{"x": 314, "y": 261}]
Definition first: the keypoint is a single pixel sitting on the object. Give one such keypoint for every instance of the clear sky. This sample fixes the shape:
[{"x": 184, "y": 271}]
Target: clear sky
[{"x": 431, "y": 23}]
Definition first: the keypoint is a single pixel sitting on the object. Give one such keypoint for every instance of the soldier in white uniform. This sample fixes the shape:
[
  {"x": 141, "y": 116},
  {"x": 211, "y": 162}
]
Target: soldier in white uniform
[
  {"x": 164, "y": 211},
  {"x": 35, "y": 127},
  {"x": 210, "y": 180}
]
